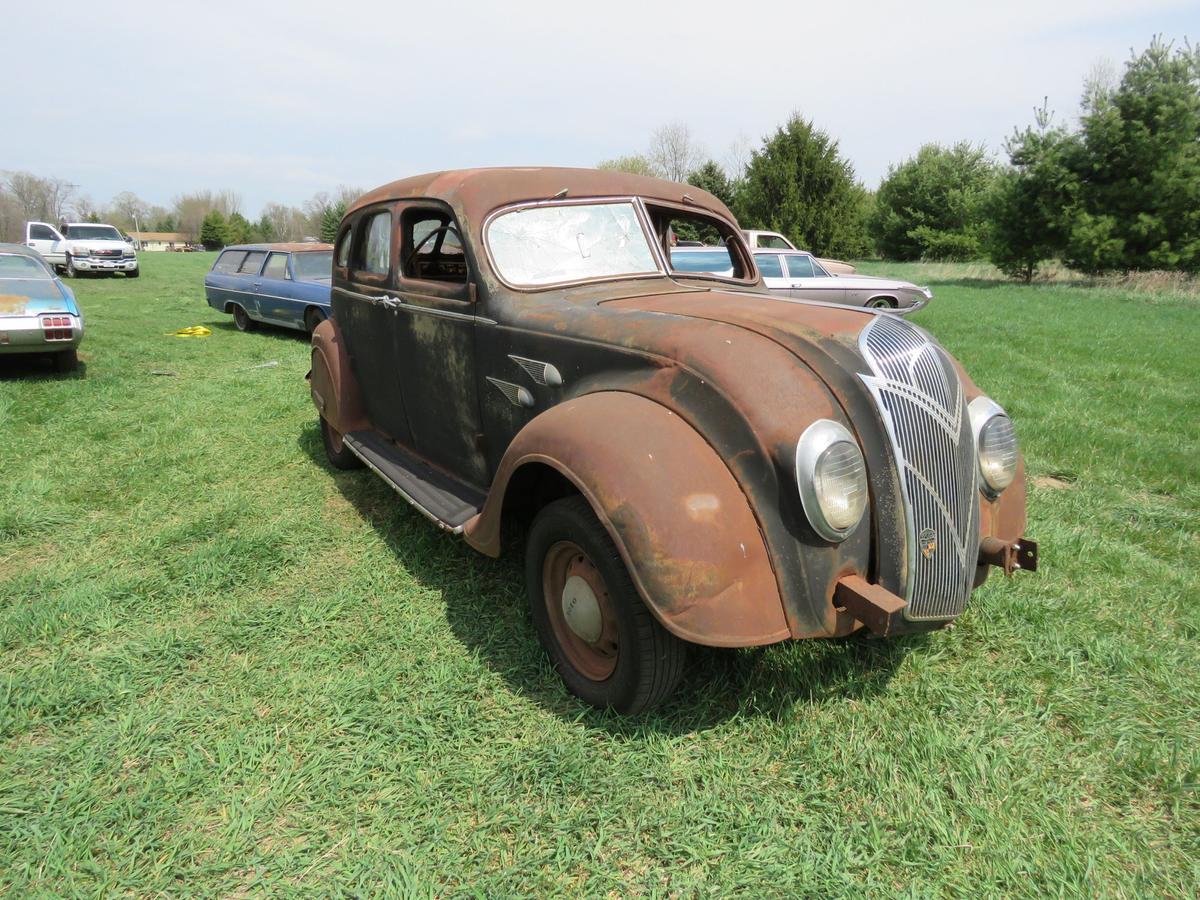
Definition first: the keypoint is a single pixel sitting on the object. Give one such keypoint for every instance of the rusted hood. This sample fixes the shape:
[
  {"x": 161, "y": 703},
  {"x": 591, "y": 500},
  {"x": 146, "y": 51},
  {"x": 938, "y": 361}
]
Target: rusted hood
[{"x": 794, "y": 324}]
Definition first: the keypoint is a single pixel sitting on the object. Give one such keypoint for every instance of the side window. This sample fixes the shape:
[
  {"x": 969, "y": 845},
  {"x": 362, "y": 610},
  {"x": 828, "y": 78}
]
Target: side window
[
  {"x": 252, "y": 263},
  {"x": 722, "y": 256},
  {"x": 343, "y": 249},
  {"x": 276, "y": 267},
  {"x": 40, "y": 232},
  {"x": 768, "y": 264},
  {"x": 229, "y": 261},
  {"x": 800, "y": 266},
  {"x": 431, "y": 247},
  {"x": 375, "y": 246},
  {"x": 774, "y": 242}
]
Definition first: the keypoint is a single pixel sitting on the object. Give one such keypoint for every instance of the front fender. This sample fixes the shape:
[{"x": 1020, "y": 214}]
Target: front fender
[{"x": 676, "y": 513}]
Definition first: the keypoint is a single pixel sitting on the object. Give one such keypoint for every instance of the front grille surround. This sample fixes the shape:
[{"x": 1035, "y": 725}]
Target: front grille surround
[{"x": 921, "y": 401}]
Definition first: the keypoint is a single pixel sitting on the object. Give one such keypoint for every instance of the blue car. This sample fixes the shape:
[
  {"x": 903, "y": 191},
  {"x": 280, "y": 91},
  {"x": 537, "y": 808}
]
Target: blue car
[
  {"x": 38, "y": 313},
  {"x": 279, "y": 284}
]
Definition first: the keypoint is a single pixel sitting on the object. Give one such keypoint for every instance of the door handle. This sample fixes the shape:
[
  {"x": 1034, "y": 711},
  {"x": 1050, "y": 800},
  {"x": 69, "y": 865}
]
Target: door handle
[{"x": 390, "y": 302}]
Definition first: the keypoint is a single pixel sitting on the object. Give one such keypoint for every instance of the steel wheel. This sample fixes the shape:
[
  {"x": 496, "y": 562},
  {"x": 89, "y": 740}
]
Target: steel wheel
[
  {"x": 70, "y": 271},
  {"x": 242, "y": 319},
  {"x": 339, "y": 455},
  {"x": 607, "y": 646},
  {"x": 580, "y": 611},
  {"x": 881, "y": 303}
]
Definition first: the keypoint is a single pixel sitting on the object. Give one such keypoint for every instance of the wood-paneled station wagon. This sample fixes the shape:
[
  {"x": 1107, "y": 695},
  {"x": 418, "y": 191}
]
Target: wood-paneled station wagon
[{"x": 694, "y": 461}]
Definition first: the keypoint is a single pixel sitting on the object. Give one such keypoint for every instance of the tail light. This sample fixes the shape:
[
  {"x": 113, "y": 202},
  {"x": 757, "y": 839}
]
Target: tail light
[{"x": 57, "y": 328}]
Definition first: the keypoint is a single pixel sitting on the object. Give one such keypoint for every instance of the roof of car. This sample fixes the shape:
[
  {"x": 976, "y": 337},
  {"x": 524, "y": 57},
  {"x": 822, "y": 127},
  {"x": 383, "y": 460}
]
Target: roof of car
[
  {"x": 20, "y": 250},
  {"x": 476, "y": 192},
  {"x": 294, "y": 247},
  {"x": 758, "y": 250}
]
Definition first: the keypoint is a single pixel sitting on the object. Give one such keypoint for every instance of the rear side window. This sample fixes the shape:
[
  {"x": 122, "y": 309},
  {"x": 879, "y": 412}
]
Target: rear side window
[
  {"x": 375, "y": 249},
  {"x": 229, "y": 261},
  {"x": 800, "y": 267},
  {"x": 773, "y": 241},
  {"x": 39, "y": 232},
  {"x": 768, "y": 264},
  {"x": 252, "y": 263},
  {"x": 343, "y": 250},
  {"x": 276, "y": 266}
]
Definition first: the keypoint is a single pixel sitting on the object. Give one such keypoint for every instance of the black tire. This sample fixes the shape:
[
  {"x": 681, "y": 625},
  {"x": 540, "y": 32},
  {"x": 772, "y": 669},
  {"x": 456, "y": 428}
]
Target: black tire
[
  {"x": 65, "y": 360},
  {"x": 133, "y": 273},
  {"x": 647, "y": 660},
  {"x": 69, "y": 270},
  {"x": 242, "y": 319},
  {"x": 312, "y": 318},
  {"x": 338, "y": 454}
]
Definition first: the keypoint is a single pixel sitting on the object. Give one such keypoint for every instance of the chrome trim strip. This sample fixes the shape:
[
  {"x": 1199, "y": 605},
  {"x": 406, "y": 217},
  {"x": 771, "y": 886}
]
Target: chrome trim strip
[
  {"x": 267, "y": 296},
  {"x": 542, "y": 373},
  {"x": 513, "y": 393},
  {"x": 399, "y": 303},
  {"x": 445, "y": 526}
]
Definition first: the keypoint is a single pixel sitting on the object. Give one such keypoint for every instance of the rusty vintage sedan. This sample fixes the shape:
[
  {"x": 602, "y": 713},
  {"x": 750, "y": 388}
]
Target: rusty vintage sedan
[{"x": 693, "y": 462}]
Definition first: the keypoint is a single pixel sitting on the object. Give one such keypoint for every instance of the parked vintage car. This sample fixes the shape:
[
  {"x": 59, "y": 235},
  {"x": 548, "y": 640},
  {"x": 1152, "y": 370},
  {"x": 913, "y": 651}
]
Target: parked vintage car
[
  {"x": 695, "y": 461},
  {"x": 773, "y": 240},
  {"x": 85, "y": 247},
  {"x": 38, "y": 313},
  {"x": 801, "y": 276},
  {"x": 280, "y": 284}
]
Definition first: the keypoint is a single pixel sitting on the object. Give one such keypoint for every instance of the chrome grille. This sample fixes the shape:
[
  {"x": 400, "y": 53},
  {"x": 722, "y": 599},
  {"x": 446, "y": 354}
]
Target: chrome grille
[{"x": 920, "y": 399}]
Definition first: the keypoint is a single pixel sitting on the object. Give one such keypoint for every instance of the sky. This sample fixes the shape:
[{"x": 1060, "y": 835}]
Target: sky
[{"x": 277, "y": 102}]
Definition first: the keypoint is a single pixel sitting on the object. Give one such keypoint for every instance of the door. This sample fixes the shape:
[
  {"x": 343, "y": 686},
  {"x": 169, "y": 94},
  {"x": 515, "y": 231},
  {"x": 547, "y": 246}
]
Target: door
[
  {"x": 771, "y": 267},
  {"x": 47, "y": 241},
  {"x": 248, "y": 282},
  {"x": 808, "y": 281},
  {"x": 274, "y": 288},
  {"x": 364, "y": 309},
  {"x": 436, "y": 337}
]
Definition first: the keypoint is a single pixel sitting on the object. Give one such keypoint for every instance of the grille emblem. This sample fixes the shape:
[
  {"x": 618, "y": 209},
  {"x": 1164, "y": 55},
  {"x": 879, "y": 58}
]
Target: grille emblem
[{"x": 928, "y": 542}]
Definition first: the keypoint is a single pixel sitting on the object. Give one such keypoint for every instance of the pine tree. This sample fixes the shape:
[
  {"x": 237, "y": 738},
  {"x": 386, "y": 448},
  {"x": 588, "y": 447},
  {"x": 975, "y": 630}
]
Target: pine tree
[
  {"x": 213, "y": 234},
  {"x": 331, "y": 220}
]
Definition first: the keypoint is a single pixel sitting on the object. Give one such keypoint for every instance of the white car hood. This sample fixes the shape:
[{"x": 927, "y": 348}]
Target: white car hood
[
  {"x": 98, "y": 245},
  {"x": 869, "y": 282}
]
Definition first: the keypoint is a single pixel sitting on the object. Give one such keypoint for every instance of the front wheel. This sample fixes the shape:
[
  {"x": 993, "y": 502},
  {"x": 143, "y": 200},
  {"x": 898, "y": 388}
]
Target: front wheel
[
  {"x": 133, "y": 273},
  {"x": 242, "y": 319},
  {"x": 312, "y": 318},
  {"x": 606, "y": 645},
  {"x": 339, "y": 455},
  {"x": 69, "y": 269},
  {"x": 881, "y": 303}
]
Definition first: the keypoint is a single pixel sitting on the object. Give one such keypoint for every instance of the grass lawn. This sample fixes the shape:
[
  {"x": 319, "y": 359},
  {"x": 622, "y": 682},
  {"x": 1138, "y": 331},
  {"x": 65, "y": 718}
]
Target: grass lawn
[{"x": 226, "y": 669}]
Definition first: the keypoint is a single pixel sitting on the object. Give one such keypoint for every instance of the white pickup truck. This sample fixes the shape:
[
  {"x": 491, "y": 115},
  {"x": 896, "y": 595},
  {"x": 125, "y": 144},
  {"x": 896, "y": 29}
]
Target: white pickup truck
[{"x": 86, "y": 247}]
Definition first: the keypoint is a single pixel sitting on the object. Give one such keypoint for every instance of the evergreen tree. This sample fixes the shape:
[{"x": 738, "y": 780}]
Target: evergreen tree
[
  {"x": 213, "y": 234},
  {"x": 712, "y": 178},
  {"x": 799, "y": 184},
  {"x": 932, "y": 206},
  {"x": 330, "y": 220}
]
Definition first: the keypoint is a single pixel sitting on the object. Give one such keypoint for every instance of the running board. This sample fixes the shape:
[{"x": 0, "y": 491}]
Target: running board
[{"x": 449, "y": 503}]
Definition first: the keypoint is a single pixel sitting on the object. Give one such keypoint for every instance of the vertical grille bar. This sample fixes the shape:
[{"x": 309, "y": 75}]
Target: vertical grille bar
[{"x": 921, "y": 402}]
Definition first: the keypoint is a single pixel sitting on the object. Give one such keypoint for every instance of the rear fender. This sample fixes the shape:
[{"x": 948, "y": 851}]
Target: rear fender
[
  {"x": 676, "y": 513},
  {"x": 335, "y": 391}
]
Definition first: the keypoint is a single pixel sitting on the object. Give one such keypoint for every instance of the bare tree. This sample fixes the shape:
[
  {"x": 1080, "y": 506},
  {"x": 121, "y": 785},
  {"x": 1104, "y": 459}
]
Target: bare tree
[
  {"x": 12, "y": 218},
  {"x": 674, "y": 152},
  {"x": 634, "y": 165},
  {"x": 127, "y": 211},
  {"x": 287, "y": 223},
  {"x": 190, "y": 209},
  {"x": 1100, "y": 84},
  {"x": 737, "y": 157},
  {"x": 40, "y": 199},
  {"x": 85, "y": 210}
]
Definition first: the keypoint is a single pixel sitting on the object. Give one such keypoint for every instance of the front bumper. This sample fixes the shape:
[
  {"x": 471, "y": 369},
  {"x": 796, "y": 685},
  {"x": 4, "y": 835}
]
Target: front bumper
[
  {"x": 26, "y": 334},
  {"x": 883, "y": 612},
  {"x": 104, "y": 264}
]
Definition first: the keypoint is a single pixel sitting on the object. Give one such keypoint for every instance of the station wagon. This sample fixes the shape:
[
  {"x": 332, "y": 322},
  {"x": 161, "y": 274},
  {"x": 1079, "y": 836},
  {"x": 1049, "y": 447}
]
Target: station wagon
[
  {"x": 692, "y": 461},
  {"x": 279, "y": 284}
]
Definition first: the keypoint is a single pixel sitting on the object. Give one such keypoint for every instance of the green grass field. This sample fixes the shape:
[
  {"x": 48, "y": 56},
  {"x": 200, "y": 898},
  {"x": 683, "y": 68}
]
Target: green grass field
[{"x": 226, "y": 669}]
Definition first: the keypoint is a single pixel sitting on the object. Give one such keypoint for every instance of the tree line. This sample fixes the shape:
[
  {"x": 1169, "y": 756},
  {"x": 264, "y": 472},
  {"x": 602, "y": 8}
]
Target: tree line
[
  {"x": 213, "y": 218},
  {"x": 1118, "y": 192}
]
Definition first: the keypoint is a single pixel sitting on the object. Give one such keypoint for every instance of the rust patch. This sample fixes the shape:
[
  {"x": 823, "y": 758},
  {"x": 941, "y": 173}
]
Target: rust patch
[{"x": 13, "y": 304}]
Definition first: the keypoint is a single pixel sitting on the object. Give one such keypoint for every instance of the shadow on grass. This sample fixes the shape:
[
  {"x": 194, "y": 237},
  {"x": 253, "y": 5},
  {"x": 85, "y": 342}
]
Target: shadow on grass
[
  {"x": 37, "y": 367},
  {"x": 486, "y": 609},
  {"x": 275, "y": 332}
]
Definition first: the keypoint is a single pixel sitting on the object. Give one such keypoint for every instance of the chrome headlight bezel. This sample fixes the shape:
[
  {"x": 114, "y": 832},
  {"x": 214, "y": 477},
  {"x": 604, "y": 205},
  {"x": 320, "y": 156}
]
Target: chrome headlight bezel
[
  {"x": 817, "y": 438},
  {"x": 983, "y": 410}
]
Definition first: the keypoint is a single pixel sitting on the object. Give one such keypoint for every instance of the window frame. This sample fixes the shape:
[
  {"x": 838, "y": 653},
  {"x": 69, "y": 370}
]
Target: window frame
[
  {"x": 405, "y": 212},
  {"x": 734, "y": 239},
  {"x": 774, "y": 254},
  {"x": 287, "y": 265},
  {"x": 258, "y": 271},
  {"x": 225, "y": 253},
  {"x": 362, "y": 228}
]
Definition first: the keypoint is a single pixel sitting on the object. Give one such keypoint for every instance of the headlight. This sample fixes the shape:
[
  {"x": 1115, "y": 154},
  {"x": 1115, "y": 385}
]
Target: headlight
[
  {"x": 996, "y": 444},
  {"x": 79, "y": 251},
  {"x": 832, "y": 479},
  {"x": 127, "y": 252}
]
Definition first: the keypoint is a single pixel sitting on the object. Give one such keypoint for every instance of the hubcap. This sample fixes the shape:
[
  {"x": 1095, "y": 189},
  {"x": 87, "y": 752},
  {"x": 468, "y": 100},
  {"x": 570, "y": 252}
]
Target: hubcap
[{"x": 580, "y": 611}]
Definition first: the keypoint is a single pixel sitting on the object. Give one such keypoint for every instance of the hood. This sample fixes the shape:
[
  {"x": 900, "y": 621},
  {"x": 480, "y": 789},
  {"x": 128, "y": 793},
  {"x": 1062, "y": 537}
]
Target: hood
[
  {"x": 32, "y": 297},
  {"x": 797, "y": 325},
  {"x": 93, "y": 244}
]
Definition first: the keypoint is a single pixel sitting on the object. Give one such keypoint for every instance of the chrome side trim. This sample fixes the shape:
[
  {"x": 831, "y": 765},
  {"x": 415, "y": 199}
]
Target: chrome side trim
[
  {"x": 398, "y": 303},
  {"x": 921, "y": 401},
  {"x": 541, "y": 372},
  {"x": 513, "y": 393}
]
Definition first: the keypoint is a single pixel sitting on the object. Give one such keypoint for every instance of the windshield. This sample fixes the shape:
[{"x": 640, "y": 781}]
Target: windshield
[
  {"x": 313, "y": 265},
  {"x": 13, "y": 266},
  {"x": 715, "y": 261},
  {"x": 93, "y": 233},
  {"x": 553, "y": 244}
]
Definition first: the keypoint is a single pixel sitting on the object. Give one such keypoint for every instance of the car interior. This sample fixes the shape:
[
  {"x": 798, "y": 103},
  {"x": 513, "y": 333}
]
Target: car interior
[{"x": 433, "y": 248}]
